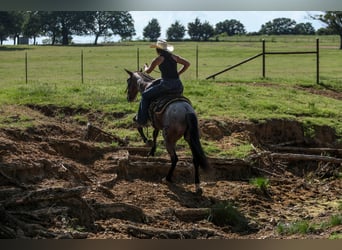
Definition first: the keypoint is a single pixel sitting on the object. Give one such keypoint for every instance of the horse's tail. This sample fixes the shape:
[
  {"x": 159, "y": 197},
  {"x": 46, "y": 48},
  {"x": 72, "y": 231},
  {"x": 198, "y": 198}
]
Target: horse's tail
[{"x": 193, "y": 138}]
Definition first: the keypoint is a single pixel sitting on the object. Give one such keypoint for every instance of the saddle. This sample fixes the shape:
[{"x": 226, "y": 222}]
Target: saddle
[{"x": 158, "y": 106}]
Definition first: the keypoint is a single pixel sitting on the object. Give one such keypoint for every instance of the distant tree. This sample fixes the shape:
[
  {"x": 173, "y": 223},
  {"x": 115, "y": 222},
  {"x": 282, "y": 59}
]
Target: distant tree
[
  {"x": 32, "y": 27},
  {"x": 5, "y": 24},
  {"x": 16, "y": 25},
  {"x": 108, "y": 23},
  {"x": 333, "y": 19},
  {"x": 152, "y": 30},
  {"x": 64, "y": 24},
  {"x": 304, "y": 29},
  {"x": 279, "y": 26},
  {"x": 200, "y": 31},
  {"x": 230, "y": 27},
  {"x": 194, "y": 30},
  {"x": 175, "y": 32},
  {"x": 50, "y": 25},
  {"x": 123, "y": 25},
  {"x": 325, "y": 31},
  {"x": 207, "y": 31}
]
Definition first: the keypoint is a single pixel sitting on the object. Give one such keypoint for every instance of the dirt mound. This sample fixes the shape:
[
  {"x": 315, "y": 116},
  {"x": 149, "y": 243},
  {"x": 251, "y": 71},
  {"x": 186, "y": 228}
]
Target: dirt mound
[{"x": 63, "y": 179}]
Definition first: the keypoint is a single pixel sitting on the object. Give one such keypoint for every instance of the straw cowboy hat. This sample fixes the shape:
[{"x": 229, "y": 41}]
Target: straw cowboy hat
[{"x": 162, "y": 44}]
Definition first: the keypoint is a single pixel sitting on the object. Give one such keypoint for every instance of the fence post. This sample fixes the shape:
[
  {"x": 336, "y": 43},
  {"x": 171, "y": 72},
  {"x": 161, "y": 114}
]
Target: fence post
[
  {"x": 26, "y": 67},
  {"x": 197, "y": 62},
  {"x": 263, "y": 59},
  {"x": 317, "y": 60},
  {"x": 138, "y": 55},
  {"x": 82, "y": 77}
]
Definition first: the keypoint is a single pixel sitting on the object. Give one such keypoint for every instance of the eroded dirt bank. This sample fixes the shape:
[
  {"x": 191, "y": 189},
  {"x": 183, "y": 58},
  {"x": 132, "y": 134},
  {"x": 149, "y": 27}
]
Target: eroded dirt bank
[{"x": 56, "y": 182}]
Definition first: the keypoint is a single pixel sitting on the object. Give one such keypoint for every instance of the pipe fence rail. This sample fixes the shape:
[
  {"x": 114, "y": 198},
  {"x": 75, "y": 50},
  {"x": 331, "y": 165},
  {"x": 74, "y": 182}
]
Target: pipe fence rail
[{"x": 264, "y": 53}]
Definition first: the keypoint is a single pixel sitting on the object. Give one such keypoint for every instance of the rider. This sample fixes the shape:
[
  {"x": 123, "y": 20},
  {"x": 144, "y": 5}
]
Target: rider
[{"x": 169, "y": 82}]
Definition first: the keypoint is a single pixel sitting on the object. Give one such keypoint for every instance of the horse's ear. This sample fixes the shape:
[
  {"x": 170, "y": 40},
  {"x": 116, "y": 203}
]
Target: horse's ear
[{"x": 129, "y": 72}]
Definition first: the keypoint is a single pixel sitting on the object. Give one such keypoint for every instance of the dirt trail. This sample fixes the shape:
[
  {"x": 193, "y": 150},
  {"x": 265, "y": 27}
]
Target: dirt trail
[{"x": 57, "y": 183}]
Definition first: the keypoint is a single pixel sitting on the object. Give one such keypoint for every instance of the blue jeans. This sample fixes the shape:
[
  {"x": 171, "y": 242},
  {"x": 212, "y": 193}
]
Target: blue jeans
[{"x": 165, "y": 87}]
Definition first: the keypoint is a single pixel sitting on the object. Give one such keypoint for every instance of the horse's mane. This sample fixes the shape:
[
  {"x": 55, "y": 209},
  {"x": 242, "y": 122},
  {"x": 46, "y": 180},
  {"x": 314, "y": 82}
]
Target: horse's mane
[{"x": 145, "y": 77}]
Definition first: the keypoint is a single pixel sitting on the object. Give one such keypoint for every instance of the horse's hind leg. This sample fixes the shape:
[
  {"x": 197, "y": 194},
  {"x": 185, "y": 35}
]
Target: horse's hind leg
[
  {"x": 154, "y": 143},
  {"x": 174, "y": 159},
  {"x": 197, "y": 180}
]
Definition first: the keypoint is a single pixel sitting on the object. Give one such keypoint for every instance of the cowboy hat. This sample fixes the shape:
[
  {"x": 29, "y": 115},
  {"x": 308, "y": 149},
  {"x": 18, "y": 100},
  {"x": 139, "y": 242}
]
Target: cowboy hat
[{"x": 162, "y": 44}]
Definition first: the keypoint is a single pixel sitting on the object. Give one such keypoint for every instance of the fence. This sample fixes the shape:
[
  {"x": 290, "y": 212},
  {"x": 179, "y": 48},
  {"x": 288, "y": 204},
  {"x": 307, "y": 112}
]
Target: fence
[{"x": 264, "y": 53}]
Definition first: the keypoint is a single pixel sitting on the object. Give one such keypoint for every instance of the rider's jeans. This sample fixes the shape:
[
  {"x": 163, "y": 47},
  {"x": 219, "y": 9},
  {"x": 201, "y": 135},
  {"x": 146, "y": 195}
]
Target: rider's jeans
[{"x": 165, "y": 87}]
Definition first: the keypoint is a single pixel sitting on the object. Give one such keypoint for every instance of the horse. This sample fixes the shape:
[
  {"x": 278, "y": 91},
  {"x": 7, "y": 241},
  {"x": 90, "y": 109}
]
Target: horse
[{"x": 177, "y": 119}]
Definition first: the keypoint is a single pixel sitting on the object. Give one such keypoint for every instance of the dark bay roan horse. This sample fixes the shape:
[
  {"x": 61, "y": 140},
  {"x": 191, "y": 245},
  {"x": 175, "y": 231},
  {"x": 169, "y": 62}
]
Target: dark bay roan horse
[{"x": 177, "y": 119}]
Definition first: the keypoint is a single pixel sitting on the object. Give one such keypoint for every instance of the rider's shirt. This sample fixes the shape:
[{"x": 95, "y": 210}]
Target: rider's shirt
[{"x": 168, "y": 67}]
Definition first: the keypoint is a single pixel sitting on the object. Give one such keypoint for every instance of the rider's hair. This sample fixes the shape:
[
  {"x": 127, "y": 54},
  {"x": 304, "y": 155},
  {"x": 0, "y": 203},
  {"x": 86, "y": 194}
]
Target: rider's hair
[{"x": 163, "y": 52}]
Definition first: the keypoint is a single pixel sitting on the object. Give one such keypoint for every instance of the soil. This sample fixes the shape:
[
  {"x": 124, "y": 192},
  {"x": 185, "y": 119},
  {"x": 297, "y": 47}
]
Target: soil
[{"x": 60, "y": 178}]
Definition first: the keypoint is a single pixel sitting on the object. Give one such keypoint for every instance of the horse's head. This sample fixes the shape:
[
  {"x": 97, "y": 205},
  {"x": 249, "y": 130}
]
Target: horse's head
[
  {"x": 137, "y": 82},
  {"x": 132, "y": 86}
]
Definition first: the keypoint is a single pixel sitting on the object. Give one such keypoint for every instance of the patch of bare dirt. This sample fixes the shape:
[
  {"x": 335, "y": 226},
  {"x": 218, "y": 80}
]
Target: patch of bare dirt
[{"x": 62, "y": 179}]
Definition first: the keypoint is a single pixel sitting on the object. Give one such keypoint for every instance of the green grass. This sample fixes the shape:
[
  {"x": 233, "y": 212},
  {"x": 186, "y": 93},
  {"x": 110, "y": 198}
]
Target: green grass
[
  {"x": 225, "y": 214},
  {"x": 54, "y": 77},
  {"x": 306, "y": 227}
]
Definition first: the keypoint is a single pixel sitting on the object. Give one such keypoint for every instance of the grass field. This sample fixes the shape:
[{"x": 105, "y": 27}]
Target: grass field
[{"x": 54, "y": 77}]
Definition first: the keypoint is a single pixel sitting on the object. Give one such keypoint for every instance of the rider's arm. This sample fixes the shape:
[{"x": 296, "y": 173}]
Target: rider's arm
[
  {"x": 157, "y": 61},
  {"x": 182, "y": 61}
]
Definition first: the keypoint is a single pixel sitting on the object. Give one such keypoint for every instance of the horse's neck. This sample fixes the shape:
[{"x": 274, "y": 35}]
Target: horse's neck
[{"x": 143, "y": 83}]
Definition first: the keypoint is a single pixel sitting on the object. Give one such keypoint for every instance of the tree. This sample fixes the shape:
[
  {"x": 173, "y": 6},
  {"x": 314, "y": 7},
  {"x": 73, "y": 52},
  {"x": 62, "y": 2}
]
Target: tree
[
  {"x": 123, "y": 25},
  {"x": 175, "y": 32},
  {"x": 333, "y": 19},
  {"x": 304, "y": 29},
  {"x": 100, "y": 24},
  {"x": 5, "y": 23},
  {"x": 64, "y": 24},
  {"x": 152, "y": 30},
  {"x": 194, "y": 30},
  {"x": 16, "y": 24},
  {"x": 230, "y": 27},
  {"x": 108, "y": 23},
  {"x": 200, "y": 31},
  {"x": 207, "y": 31},
  {"x": 50, "y": 26},
  {"x": 279, "y": 26},
  {"x": 32, "y": 26}
]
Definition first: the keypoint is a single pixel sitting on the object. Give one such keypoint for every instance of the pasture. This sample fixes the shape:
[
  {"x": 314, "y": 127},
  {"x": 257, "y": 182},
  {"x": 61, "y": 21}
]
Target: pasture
[
  {"x": 285, "y": 128},
  {"x": 54, "y": 77}
]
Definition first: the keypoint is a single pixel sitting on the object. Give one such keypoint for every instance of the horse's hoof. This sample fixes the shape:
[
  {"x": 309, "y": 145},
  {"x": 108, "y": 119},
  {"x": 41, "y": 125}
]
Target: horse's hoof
[
  {"x": 165, "y": 181},
  {"x": 199, "y": 191},
  {"x": 149, "y": 143}
]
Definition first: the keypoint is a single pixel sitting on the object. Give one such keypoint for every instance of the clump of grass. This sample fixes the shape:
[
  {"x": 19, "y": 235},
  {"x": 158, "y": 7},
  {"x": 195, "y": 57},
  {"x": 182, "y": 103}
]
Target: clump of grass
[
  {"x": 335, "y": 220},
  {"x": 225, "y": 214},
  {"x": 305, "y": 227},
  {"x": 297, "y": 227},
  {"x": 262, "y": 184}
]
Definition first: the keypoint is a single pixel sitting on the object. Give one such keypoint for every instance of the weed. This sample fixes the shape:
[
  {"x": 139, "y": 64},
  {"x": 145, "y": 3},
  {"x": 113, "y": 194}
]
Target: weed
[
  {"x": 225, "y": 214},
  {"x": 297, "y": 227},
  {"x": 261, "y": 184},
  {"x": 336, "y": 220}
]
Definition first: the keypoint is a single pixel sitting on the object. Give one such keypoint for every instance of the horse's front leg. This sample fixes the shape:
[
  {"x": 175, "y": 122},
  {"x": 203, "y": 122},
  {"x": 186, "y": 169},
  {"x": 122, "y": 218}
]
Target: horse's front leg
[{"x": 154, "y": 143}]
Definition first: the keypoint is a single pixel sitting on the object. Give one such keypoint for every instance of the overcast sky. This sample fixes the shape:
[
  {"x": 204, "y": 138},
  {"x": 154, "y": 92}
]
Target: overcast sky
[{"x": 252, "y": 20}]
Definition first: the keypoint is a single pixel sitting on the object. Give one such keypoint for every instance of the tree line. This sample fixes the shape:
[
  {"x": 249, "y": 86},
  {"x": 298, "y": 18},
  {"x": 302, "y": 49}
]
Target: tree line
[{"x": 60, "y": 26}]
